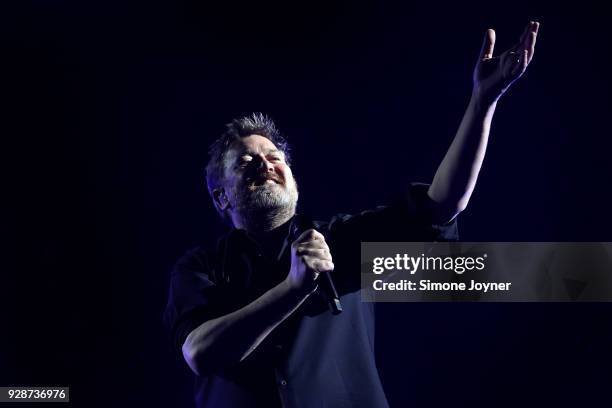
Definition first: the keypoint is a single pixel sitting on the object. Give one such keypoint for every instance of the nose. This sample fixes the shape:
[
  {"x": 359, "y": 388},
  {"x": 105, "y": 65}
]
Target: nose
[{"x": 264, "y": 164}]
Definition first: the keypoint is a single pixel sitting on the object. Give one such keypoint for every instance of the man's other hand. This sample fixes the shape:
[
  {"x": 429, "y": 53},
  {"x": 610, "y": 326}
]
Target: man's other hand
[{"x": 494, "y": 75}]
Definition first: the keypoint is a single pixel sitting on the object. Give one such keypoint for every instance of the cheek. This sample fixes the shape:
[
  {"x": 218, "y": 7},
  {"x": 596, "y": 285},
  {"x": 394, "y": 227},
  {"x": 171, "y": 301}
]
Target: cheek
[
  {"x": 235, "y": 183},
  {"x": 290, "y": 180},
  {"x": 285, "y": 172}
]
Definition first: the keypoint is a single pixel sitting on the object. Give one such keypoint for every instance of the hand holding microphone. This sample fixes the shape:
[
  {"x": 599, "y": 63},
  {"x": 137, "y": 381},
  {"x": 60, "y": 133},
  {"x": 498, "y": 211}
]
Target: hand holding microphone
[{"x": 310, "y": 257}]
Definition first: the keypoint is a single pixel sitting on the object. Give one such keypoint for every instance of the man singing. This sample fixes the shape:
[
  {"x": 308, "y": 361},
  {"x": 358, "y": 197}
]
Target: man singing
[{"x": 251, "y": 317}]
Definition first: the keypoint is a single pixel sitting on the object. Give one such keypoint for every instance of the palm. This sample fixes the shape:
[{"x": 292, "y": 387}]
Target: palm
[{"x": 494, "y": 75}]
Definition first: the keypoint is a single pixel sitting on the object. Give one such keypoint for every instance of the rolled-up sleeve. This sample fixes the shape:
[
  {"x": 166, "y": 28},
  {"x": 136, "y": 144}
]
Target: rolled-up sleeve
[
  {"x": 419, "y": 208},
  {"x": 406, "y": 218},
  {"x": 193, "y": 297}
]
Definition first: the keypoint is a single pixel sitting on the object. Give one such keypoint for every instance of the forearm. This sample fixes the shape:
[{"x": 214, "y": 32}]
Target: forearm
[
  {"x": 231, "y": 338},
  {"x": 456, "y": 176}
]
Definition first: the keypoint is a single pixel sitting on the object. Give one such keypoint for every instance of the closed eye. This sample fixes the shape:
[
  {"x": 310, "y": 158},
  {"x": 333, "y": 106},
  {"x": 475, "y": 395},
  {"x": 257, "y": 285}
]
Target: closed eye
[{"x": 244, "y": 161}]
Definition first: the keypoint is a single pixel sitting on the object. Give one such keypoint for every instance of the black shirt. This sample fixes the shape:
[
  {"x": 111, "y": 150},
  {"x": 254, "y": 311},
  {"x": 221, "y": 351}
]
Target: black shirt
[{"x": 313, "y": 358}]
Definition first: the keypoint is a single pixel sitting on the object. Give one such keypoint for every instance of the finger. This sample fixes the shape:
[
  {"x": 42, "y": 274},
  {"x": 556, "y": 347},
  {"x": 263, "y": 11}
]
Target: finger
[
  {"x": 526, "y": 38},
  {"x": 488, "y": 45},
  {"x": 313, "y": 245},
  {"x": 525, "y": 61},
  {"x": 522, "y": 42},
  {"x": 524, "y": 35},
  {"x": 322, "y": 266},
  {"x": 310, "y": 235},
  {"x": 319, "y": 253},
  {"x": 316, "y": 244},
  {"x": 531, "y": 45}
]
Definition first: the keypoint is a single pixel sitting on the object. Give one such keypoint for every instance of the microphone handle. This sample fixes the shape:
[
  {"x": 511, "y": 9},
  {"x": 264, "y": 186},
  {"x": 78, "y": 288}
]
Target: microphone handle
[{"x": 332, "y": 295}]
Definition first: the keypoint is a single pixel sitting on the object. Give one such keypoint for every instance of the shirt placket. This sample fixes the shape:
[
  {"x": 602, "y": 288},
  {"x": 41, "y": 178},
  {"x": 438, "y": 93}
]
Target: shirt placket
[{"x": 283, "y": 384}]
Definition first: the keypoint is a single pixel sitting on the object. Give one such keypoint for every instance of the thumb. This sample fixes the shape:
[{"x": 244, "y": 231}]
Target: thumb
[{"x": 487, "y": 46}]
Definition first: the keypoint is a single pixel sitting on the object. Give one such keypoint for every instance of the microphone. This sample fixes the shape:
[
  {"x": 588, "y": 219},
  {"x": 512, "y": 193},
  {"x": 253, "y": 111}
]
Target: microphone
[{"x": 300, "y": 224}]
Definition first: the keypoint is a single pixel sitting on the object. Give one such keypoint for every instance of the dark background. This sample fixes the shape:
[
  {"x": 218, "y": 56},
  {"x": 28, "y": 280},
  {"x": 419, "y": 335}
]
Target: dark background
[{"x": 107, "y": 111}]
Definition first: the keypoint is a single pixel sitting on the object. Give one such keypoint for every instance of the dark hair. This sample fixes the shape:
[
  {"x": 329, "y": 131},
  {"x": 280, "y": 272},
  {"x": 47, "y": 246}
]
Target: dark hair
[{"x": 256, "y": 123}]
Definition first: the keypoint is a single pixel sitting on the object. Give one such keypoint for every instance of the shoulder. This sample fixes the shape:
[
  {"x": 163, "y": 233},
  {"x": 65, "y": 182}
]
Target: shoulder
[
  {"x": 192, "y": 282},
  {"x": 405, "y": 217},
  {"x": 196, "y": 258},
  {"x": 196, "y": 264},
  {"x": 409, "y": 204}
]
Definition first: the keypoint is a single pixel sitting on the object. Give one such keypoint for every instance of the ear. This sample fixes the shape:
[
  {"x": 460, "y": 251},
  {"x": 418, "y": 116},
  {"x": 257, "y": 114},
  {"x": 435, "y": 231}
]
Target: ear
[{"x": 220, "y": 199}]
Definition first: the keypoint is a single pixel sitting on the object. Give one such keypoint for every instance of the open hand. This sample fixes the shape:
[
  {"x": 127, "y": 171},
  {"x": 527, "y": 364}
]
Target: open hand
[{"x": 494, "y": 75}]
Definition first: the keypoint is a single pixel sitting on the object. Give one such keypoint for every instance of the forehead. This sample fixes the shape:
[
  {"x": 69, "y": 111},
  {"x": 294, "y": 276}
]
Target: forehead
[{"x": 252, "y": 144}]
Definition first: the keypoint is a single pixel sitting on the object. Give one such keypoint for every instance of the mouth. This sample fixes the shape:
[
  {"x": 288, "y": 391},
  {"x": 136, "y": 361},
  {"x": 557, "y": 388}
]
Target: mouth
[{"x": 262, "y": 181}]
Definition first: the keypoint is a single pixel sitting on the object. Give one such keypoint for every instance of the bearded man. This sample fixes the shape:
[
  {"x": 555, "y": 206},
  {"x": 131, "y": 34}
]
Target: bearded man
[{"x": 250, "y": 317}]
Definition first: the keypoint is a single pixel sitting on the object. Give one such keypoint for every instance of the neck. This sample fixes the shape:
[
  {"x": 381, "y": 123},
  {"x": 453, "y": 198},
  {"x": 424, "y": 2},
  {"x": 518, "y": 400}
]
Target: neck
[{"x": 264, "y": 221}]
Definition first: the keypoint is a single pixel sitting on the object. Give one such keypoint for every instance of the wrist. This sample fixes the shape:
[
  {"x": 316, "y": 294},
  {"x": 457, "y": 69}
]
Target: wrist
[
  {"x": 483, "y": 102},
  {"x": 296, "y": 292}
]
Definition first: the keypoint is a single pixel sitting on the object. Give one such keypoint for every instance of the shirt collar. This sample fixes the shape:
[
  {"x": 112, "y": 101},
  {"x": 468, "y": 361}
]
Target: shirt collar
[{"x": 237, "y": 243}]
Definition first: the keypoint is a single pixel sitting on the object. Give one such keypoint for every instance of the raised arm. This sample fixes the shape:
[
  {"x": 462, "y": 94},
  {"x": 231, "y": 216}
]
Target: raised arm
[
  {"x": 456, "y": 176},
  {"x": 230, "y": 339}
]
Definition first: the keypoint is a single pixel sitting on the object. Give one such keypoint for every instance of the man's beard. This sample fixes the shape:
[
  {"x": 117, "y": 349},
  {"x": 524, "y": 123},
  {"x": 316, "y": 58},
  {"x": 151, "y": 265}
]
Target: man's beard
[{"x": 266, "y": 204}]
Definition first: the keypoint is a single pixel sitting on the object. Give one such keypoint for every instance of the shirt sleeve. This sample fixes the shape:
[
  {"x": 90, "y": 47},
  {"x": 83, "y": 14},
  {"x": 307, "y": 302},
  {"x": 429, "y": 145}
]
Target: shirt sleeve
[
  {"x": 193, "y": 297},
  {"x": 406, "y": 218}
]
